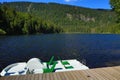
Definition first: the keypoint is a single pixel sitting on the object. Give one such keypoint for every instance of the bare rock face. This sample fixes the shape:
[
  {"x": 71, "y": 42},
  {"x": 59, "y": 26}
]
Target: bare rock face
[
  {"x": 69, "y": 16},
  {"x": 80, "y": 17},
  {"x": 85, "y": 18}
]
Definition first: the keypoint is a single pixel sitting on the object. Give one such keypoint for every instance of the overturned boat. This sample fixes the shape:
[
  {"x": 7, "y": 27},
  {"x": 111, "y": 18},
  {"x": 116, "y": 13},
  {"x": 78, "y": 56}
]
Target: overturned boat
[{"x": 35, "y": 66}]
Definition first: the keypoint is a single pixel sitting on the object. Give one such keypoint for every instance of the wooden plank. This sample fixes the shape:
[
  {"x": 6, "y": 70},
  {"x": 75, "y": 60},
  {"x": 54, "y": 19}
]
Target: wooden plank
[
  {"x": 8, "y": 78},
  {"x": 117, "y": 68},
  {"x": 21, "y": 77},
  {"x": 70, "y": 76},
  {"x": 40, "y": 77},
  {"x": 25, "y": 77},
  {"x": 66, "y": 76},
  {"x": 28, "y": 77},
  {"x": 58, "y": 76},
  {"x": 105, "y": 75},
  {"x": 55, "y": 76},
  {"x": 91, "y": 75},
  {"x": 77, "y": 76},
  {"x": 11, "y": 77},
  {"x": 62, "y": 76},
  {"x": 113, "y": 72},
  {"x": 32, "y": 77},
  {"x": 45, "y": 76},
  {"x": 4, "y": 78},
  {"x": 51, "y": 76},
  {"x": 73, "y": 76},
  {"x": 36, "y": 76},
  {"x": 81, "y": 75},
  {"x": 48, "y": 76}
]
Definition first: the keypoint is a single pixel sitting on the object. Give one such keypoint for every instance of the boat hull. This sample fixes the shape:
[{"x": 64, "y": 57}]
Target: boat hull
[
  {"x": 15, "y": 69},
  {"x": 35, "y": 66}
]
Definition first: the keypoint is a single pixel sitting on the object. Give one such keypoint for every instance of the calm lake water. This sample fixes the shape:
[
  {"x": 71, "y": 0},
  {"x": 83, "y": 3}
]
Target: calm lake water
[{"x": 96, "y": 50}]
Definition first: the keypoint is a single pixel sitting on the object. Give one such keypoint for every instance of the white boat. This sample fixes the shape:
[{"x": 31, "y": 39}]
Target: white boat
[
  {"x": 15, "y": 69},
  {"x": 35, "y": 66}
]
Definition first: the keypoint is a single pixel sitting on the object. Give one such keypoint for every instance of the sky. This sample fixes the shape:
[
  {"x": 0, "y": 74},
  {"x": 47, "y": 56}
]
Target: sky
[{"x": 101, "y": 4}]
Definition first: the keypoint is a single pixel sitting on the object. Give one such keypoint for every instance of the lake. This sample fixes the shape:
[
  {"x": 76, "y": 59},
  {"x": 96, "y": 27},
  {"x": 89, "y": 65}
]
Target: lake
[{"x": 96, "y": 50}]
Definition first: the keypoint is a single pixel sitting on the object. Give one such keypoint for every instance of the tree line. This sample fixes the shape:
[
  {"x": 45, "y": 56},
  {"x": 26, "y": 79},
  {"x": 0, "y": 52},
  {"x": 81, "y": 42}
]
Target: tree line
[
  {"x": 70, "y": 18},
  {"x": 13, "y": 22},
  {"x": 115, "y": 4},
  {"x": 56, "y": 18}
]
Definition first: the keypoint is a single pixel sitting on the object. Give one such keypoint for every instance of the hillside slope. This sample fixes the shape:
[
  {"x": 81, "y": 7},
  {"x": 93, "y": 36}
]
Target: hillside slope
[{"x": 70, "y": 18}]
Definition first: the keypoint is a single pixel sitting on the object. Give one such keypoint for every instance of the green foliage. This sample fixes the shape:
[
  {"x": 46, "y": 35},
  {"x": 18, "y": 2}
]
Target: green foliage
[
  {"x": 116, "y": 29},
  {"x": 2, "y": 32},
  {"x": 69, "y": 18},
  {"x": 116, "y": 7},
  {"x": 32, "y": 18},
  {"x": 15, "y": 23}
]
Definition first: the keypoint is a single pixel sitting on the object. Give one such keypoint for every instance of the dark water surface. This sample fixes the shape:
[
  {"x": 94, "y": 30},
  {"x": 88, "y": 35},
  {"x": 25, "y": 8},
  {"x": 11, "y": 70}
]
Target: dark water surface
[{"x": 97, "y": 50}]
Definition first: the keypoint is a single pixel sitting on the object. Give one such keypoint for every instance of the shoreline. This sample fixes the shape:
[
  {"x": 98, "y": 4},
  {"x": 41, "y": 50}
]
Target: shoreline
[{"x": 58, "y": 33}]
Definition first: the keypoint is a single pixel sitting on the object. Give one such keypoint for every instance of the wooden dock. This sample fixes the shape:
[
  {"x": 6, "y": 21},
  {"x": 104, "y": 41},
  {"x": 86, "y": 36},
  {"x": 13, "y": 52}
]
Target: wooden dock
[{"x": 108, "y": 73}]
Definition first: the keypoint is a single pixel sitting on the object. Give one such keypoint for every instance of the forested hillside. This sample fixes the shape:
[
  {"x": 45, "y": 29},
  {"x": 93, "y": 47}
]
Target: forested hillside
[
  {"x": 69, "y": 18},
  {"x": 17, "y": 23}
]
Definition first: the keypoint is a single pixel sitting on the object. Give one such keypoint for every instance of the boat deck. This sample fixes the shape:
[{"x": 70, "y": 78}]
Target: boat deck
[{"x": 108, "y": 73}]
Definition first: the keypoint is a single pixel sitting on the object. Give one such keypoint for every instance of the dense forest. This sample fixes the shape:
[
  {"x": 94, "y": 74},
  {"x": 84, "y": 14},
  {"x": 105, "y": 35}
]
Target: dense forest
[
  {"x": 30, "y": 17},
  {"x": 17, "y": 23},
  {"x": 115, "y": 4}
]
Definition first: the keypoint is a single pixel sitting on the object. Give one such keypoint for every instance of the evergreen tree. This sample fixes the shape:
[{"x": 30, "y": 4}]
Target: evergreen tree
[{"x": 115, "y": 4}]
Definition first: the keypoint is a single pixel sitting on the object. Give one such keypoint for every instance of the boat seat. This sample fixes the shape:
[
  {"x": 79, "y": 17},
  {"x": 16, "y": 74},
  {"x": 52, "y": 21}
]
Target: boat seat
[
  {"x": 34, "y": 64},
  {"x": 15, "y": 69}
]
